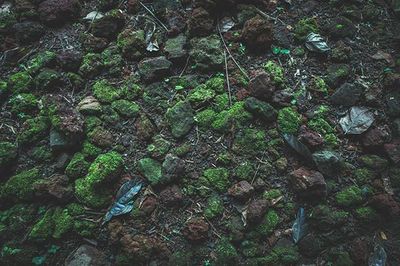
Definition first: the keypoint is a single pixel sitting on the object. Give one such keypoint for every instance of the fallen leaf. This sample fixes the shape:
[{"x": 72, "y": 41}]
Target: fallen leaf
[
  {"x": 381, "y": 55},
  {"x": 357, "y": 120}
]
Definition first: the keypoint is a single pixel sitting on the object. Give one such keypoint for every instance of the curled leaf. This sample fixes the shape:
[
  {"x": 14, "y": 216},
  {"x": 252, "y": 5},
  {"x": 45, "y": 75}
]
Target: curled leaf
[
  {"x": 357, "y": 120},
  {"x": 316, "y": 43},
  {"x": 378, "y": 257},
  {"x": 299, "y": 228}
]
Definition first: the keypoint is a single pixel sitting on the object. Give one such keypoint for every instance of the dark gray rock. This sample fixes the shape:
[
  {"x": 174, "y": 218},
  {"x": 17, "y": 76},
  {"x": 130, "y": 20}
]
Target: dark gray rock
[
  {"x": 260, "y": 109},
  {"x": 328, "y": 162},
  {"x": 153, "y": 69},
  {"x": 347, "y": 95},
  {"x": 180, "y": 118},
  {"x": 86, "y": 255}
]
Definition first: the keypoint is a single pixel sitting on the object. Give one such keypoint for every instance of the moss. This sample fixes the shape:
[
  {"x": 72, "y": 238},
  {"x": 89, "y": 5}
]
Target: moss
[
  {"x": 63, "y": 222},
  {"x": 366, "y": 214},
  {"x": 350, "y": 196},
  {"x": 126, "y": 108},
  {"x": 84, "y": 228},
  {"x": 41, "y": 154},
  {"x": 151, "y": 169},
  {"x": 288, "y": 120},
  {"x": 16, "y": 219},
  {"x": 105, "y": 92},
  {"x": 104, "y": 169},
  {"x": 205, "y": 118},
  {"x": 217, "y": 178},
  {"x": 339, "y": 258},
  {"x": 249, "y": 248},
  {"x": 225, "y": 252},
  {"x": 77, "y": 167},
  {"x": 131, "y": 43},
  {"x": 112, "y": 61},
  {"x": 272, "y": 194},
  {"x": 42, "y": 59},
  {"x": 131, "y": 90},
  {"x": 20, "y": 82},
  {"x": 244, "y": 171},
  {"x": 8, "y": 153},
  {"x": 92, "y": 65},
  {"x": 276, "y": 72},
  {"x": 182, "y": 150},
  {"x": 281, "y": 255},
  {"x": 43, "y": 229},
  {"x": 363, "y": 175},
  {"x": 221, "y": 102},
  {"x": 216, "y": 83},
  {"x": 324, "y": 218},
  {"x": 3, "y": 89},
  {"x": 200, "y": 95},
  {"x": 225, "y": 158},
  {"x": 19, "y": 186},
  {"x": 319, "y": 85},
  {"x": 321, "y": 126},
  {"x": 47, "y": 79},
  {"x": 33, "y": 130},
  {"x": 159, "y": 147},
  {"x": 23, "y": 103},
  {"x": 269, "y": 223},
  {"x": 249, "y": 141},
  {"x": 214, "y": 207},
  {"x": 90, "y": 150},
  {"x": 373, "y": 162},
  {"x": 236, "y": 115},
  {"x": 305, "y": 26}
]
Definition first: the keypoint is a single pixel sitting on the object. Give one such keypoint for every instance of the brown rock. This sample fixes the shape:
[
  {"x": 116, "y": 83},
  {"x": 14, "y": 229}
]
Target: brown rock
[
  {"x": 87, "y": 255},
  {"x": 386, "y": 204},
  {"x": 393, "y": 150},
  {"x": 101, "y": 137},
  {"x": 261, "y": 86},
  {"x": 171, "y": 195},
  {"x": 56, "y": 186},
  {"x": 257, "y": 34},
  {"x": 310, "y": 138},
  {"x": 241, "y": 190},
  {"x": 149, "y": 205},
  {"x": 145, "y": 128},
  {"x": 359, "y": 251},
  {"x": 256, "y": 210},
  {"x": 133, "y": 6},
  {"x": 376, "y": 136},
  {"x": 144, "y": 247},
  {"x": 196, "y": 229},
  {"x": 308, "y": 183},
  {"x": 175, "y": 21},
  {"x": 200, "y": 22},
  {"x": 55, "y": 12},
  {"x": 89, "y": 105}
]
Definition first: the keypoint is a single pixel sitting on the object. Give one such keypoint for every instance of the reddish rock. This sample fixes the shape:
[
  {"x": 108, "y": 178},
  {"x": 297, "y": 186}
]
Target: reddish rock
[
  {"x": 176, "y": 23},
  {"x": 393, "y": 150},
  {"x": 359, "y": 251},
  {"x": 145, "y": 129},
  {"x": 56, "y": 186},
  {"x": 308, "y": 183},
  {"x": 55, "y": 12},
  {"x": 261, "y": 86},
  {"x": 149, "y": 205},
  {"x": 386, "y": 204},
  {"x": 171, "y": 195},
  {"x": 200, "y": 22},
  {"x": 257, "y": 34},
  {"x": 256, "y": 210},
  {"x": 196, "y": 229},
  {"x": 376, "y": 136},
  {"x": 87, "y": 255},
  {"x": 144, "y": 247},
  {"x": 241, "y": 190},
  {"x": 109, "y": 26},
  {"x": 70, "y": 60},
  {"x": 133, "y": 6},
  {"x": 310, "y": 138}
]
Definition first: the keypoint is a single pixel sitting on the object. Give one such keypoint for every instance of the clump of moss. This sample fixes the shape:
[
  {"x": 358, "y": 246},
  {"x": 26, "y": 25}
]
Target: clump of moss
[
  {"x": 269, "y": 223},
  {"x": 105, "y": 92},
  {"x": 305, "y": 26},
  {"x": 104, "y": 169},
  {"x": 321, "y": 126},
  {"x": 221, "y": 102},
  {"x": 112, "y": 61},
  {"x": 33, "y": 130},
  {"x": 41, "y": 153},
  {"x": 92, "y": 65},
  {"x": 205, "y": 117},
  {"x": 363, "y": 175},
  {"x": 159, "y": 147},
  {"x": 131, "y": 90},
  {"x": 217, "y": 178},
  {"x": 276, "y": 72},
  {"x": 319, "y": 86},
  {"x": 367, "y": 214},
  {"x": 324, "y": 218},
  {"x": 90, "y": 150},
  {"x": 288, "y": 120},
  {"x": 200, "y": 95},
  {"x": 214, "y": 207},
  {"x": 19, "y": 186},
  {"x": 151, "y": 169},
  {"x": 42, "y": 59},
  {"x": 8, "y": 153},
  {"x": 272, "y": 194},
  {"x": 23, "y": 103},
  {"x": 47, "y": 79},
  {"x": 249, "y": 141},
  {"x": 281, "y": 255},
  {"x": 244, "y": 171},
  {"x": 131, "y": 43},
  {"x": 126, "y": 108},
  {"x": 77, "y": 167},
  {"x": 350, "y": 196},
  {"x": 15, "y": 220},
  {"x": 226, "y": 253},
  {"x": 236, "y": 115},
  {"x": 20, "y": 82}
]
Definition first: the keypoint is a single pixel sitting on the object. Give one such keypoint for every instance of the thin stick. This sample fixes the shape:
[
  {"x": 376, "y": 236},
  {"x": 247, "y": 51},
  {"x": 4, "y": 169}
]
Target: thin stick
[
  {"x": 229, "y": 52},
  {"x": 270, "y": 17},
  {"x": 186, "y": 65},
  {"x": 227, "y": 79},
  {"x": 154, "y": 16}
]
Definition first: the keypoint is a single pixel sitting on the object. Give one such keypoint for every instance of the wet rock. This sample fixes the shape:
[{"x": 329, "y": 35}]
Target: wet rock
[
  {"x": 260, "y": 109},
  {"x": 87, "y": 255},
  {"x": 207, "y": 53},
  {"x": 108, "y": 26},
  {"x": 175, "y": 48},
  {"x": 392, "y": 149},
  {"x": 196, "y": 229},
  {"x": 241, "y": 190},
  {"x": 257, "y": 34},
  {"x": 347, "y": 95},
  {"x": 171, "y": 196},
  {"x": 261, "y": 86},
  {"x": 308, "y": 183},
  {"x": 145, "y": 129},
  {"x": 200, "y": 22},
  {"x": 56, "y": 186},
  {"x": 281, "y": 36},
  {"x": 256, "y": 210},
  {"x": 89, "y": 106},
  {"x": 56, "y": 12},
  {"x": 70, "y": 60},
  {"x": 172, "y": 168},
  {"x": 28, "y": 31},
  {"x": 337, "y": 74},
  {"x": 310, "y": 138},
  {"x": 153, "y": 69},
  {"x": 393, "y": 104},
  {"x": 180, "y": 118},
  {"x": 376, "y": 136},
  {"x": 328, "y": 162},
  {"x": 386, "y": 204}
]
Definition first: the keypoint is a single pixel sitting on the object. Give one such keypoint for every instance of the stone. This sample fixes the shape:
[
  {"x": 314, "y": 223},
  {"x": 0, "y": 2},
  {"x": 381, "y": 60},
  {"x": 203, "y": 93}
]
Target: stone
[
  {"x": 257, "y": 34},
  {"x": 176, "y": 23},
  {"x": 347, "y": 95},
  {"x": 87, "y": 255},
  {"x": 101, "y": 137},
  {"x": 151, "y": 169},
  {"x": 310, "y": 138},
  {"x": 376, "y": 136},
  {"x": 196, "y": 229},
  {"x": 392, "y": 149},
  {"x": 145, "y": 129},
  {"x": 337, "y": 74},
  {"x": 58, "y": 141},
  {"x": 260, "y": 109},
  {"x": 153, "y": 69},
  {"x": 132, "y": 43},
  {"x": 89, "y": 106},
  {"x": 386, "y": 204},
  {"x": 200, "y": 22},
  {"x": 392, "y": 101},
  {"x": 28, "y": 31},
  {"x": 261, "y": 86},
  {"x": 70, "y": 60},
  {"x": 256, "y": 210},
  {"x": 8, "y": 154},
  {"x": 241, "y": 190},
  {"x": 172, "y": 168},
  {"x": 149, "y": 205},
  {"x": 110, "y": 25},
  {"x": 308, "y": 183},
  {"x": 56, "y": 186},
  {"x": 207, "y": 53},
  {"x": 57, "y": 12},
  {"x": 328, "y": 162},
  {"x": 171, "y": 196},
  {"x": 175, "y": 48},
  {"x": 180, "y": 118}
]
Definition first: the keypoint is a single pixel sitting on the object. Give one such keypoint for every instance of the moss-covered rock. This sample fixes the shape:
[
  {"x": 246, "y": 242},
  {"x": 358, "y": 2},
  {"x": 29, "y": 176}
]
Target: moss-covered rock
[
  {"x": 217, "y": 178},
  {"x": 276, "y": 73},
  {"x": 225, "y": 252},
  {"x": 19, "y": 186},
  {"x": 132, "y": 43},
  {"x": 205, "y": 117},
  {"x": 244, "y": 171},
  {"x": 92, "y": 65},
  {"x": 23, "y": 104},
  {"x": 214, "y": 207},
  {"x": 249, "y": 141},
  {"x": 8, "y": 153},
  {"x": 91, "y": 189},
  {"x": 235, "y": 116},
  {"x": 305, "y": 26},
  {"x": 366, "y": 214},
  {"x": 159, "y": 147},
  {"x": 206, "y": 53},
  {"x": 281, "y": 255},
  {"x": 269, "y": 223},
  {"x": 90, "y": 150},
  {"x": 112, "y": 61},
  {"x": 180, "y": 118},
  {"x": 200, "y": 95},
  {"x": 350, "y": 196},
  {"x": 41, "y": 60},
  {"x": 47, "y": 79},
  {"x": 324, "y": 128},
  {"x": 373, "y": 162},
  {"x": 77, "y": 167},
  {"x": 20, "y": 82},
  {"x": 105, "y": 92},
  {"x": 288, "y": 120},
  {"x": 126, "y": 108},
  {"x": 32, "y": 130},
  {"x": 151, "y": 169}
]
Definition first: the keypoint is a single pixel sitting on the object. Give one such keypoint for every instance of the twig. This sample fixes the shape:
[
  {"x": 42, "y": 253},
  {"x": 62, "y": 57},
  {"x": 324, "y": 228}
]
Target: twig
[
  {"x": 270, "y": 17},
  {"x": 229, "y": 52},
  {"x": 154, "y": 16},
  {"x": 227, "y": 79},
  {"x": 184, "y": 68}
]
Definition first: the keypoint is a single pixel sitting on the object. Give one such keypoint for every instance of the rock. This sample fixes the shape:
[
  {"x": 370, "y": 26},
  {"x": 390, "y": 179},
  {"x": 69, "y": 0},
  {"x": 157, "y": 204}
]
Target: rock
[
  {"x": 393, "y": 104},
  {"x": 94, "y": 44},
  {"x": 196, "y": 229},
  {"x": 386, "y": 204},
  {"x": 172, "y": 168},
  {"x": 392, "y": 149},
  {"x": 101, "y": 137},
  {"x": 241, "y": 190},
  {"x": 149, "y": 205},
  {"x": 262, "y": 87},
  {"x": 257, "y": 34},
  {"x": 175, "y": 22},
  {"x": 180, "y": 118},
  {"x": 341, "y": 27},
  {"x": 89, "y": 106},
  {"x": 8, "y": 154},
  {"x": 145, "y": 129},
  {"x": 48, "y": 79},
  {"x": 151, "y": 169},
  {"x": 175, "y": 48},
  {"x": 328, "y": 162},
  {"x": 256, "y": 210},
  {"x": 58, "y": 141},
  {"x": 200, "y": 22},
  {"x": 153, "y": 69},
  {"x": 359, "y": 251},
  {"x": 260, "y": 109},
  {"x": 110, "y": 25},
  {"x": 171, "y": 196},
  {"x": 337, "y": 74},
  {"x": 144, "y": 248},
  {"x": 376, "y": 136},
  {"x": 308, "y": 183},
  {"x": 56, "y": 186},
  {"x": 87, "y": 255},
  {"x": 70, "y": 60},
  {"x": 28, "y": 31},
  {"x": 132, "y": 43},
  {"x": 310, "y": 138},
  {"x": 57, "y": 12},
  {"x": 207, "y": 53},
  {"x": 347, "y": 95}
]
